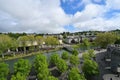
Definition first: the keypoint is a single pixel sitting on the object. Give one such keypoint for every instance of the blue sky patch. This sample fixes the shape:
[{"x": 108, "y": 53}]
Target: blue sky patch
[
  {"x": 111, "y": 14},
  {"x": 100, "y": 2},
  {"x": 72, "y": 6},
  {"x": 70, "y": 28}
]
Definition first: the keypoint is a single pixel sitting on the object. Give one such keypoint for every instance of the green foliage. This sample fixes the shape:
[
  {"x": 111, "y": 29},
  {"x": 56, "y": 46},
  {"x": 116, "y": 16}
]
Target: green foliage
[
  {"x": 90, "y": 68},
  {"x": 75, "y": 52},
  {"x": 65, "y": 55},
  {"x": 40, "y": 59},
  {"x": 18, "y": 76},
  {"x": 16, "y": 35},
  {"x": 25, "y": 40},
  {"x": 61, "y": 65},
  {"x": 74, "y": 60},
  {"x": 3, "y": 78},
  {"x": 22, "y": 66},
  {"x": 54, "y": 58},
  {"x": 22, "y": 40},
  {"x": 103, "y": 39},
  {"x": 76, "y": 46},
  {"x": 117, "y": 40},
  {"x": 91, "y": 53},
  {"x": 88, "y": 55},
  {"x": 64, "y": 35},
  {"x": 86, "y": 44},
  {"x": 31, "y": 39},
  {"x": 74, "y": 75},
  {"x": 4, "y": 70},
  {"x": 5, "y": 43},
  {"x": 52, "y": 78},
  {"x": 14, "y": 44},
  {"x": 39, "y": 40},
  {"x": 41, "y": 67},
  {"x": 51, "y": 41},
  {"x": 43, "y": 71}
]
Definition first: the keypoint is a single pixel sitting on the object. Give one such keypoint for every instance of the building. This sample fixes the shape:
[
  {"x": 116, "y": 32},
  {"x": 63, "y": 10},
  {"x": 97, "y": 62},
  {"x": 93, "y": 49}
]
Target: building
[
  {"x": 113, "y": 58},
  {"x": 77, "y": 39}
]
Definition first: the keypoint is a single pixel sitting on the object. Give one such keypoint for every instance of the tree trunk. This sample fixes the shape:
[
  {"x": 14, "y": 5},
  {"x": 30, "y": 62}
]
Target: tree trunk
[{"x": 16, "y": 49}]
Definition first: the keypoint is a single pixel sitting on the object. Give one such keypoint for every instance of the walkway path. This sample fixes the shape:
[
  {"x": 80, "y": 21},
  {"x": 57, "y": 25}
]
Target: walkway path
[{"x": 110, "y": 77}]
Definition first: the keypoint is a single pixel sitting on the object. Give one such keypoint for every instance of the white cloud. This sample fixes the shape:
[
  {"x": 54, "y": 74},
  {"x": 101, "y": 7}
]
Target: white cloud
[
  {"x": 33, "y": 16},
  {"x": 93, "y": 17},
  {"x": 99, "y": 24},
  {"x": 90, "y": 11},
  {"x": 113, "y": 4},
  {"x": 47, "y": 16}
]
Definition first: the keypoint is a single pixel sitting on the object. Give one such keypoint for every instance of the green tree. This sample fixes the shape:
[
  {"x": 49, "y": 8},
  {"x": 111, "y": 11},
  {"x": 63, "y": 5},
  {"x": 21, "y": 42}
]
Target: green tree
[
  {"x": 40, "y": 58},
  {"x": 23, "y": 66},
  {"x": 43, "y": 72},
  {"x": 65, "y": 55},
  {"x": 18, "y": 76},
  {"x": 75, "y": 52},
  {"x": 39, "y": 40},
  {"x": 61, "y": 65},
  {"x": 86, "y": 56},
  {"x": 51, "y": 41},
  {"x": 74, "y": 75},
  {"x": 14, "y": 45},
  {"x": 31, "y": 39},
  {"x": 103, "y": 39},
  {"x": 41, "y": 67},
  {"x": 54, "y": 58},
  {"x": 52, "y": 78},
  {"x": 5, "y": 43},
  {"x": 86, "y": 44},
  {"x": 91, "y": 53},
  {"x": 90, "y": 68},
  {"x": 22, "y": 40},
  {"x": 117, "y": 40},
  {"x": 4, "y": 70},
  {"x": 74, "y": 60}
]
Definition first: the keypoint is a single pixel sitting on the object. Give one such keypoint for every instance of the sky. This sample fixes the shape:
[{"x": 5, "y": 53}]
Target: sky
[{"x": 56, "y": 16}]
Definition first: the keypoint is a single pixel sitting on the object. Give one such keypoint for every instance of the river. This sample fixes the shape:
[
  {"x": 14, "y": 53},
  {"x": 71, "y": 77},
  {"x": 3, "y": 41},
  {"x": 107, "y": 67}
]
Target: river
[{"x": 30, "y": 58}]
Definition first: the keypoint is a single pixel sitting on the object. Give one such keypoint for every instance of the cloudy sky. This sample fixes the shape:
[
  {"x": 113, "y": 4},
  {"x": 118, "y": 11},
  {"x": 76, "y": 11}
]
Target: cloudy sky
[{"x": 54, "y": 16}]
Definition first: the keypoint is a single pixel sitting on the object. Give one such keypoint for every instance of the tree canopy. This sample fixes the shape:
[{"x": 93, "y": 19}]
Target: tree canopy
[
  {"x": 51, "y": 41},
  {"x": 54, "y": 58},
  {"x": 61, "y": 65},
  {"x": 75, "y": 52},
  {"x": 5, "y": 43},
  {"x": 86, "y": 44},
  {"x": 88, "y": 55},
  {"x": 74, "y": 60},
  {"x": 18, "y": 76},
  {"x": 52, "y": 78},
  {"x": 4, "y": 70},
  {"x": 39, "y": 40},
  {"x": 90, "y": 68},
  {"x": 41, "y": 67},
  {"x": 74, "y": 75},
  {"x": 65, "y": 55},
  {"x": 23, "y": 67},
  {"x": 117, "y": 40},
  {"x": 103, "y": 39}
]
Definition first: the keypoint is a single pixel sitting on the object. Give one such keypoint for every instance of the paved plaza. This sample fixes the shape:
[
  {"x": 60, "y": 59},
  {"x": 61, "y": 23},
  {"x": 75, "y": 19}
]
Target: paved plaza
[{"x": 110, "y": 77}]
